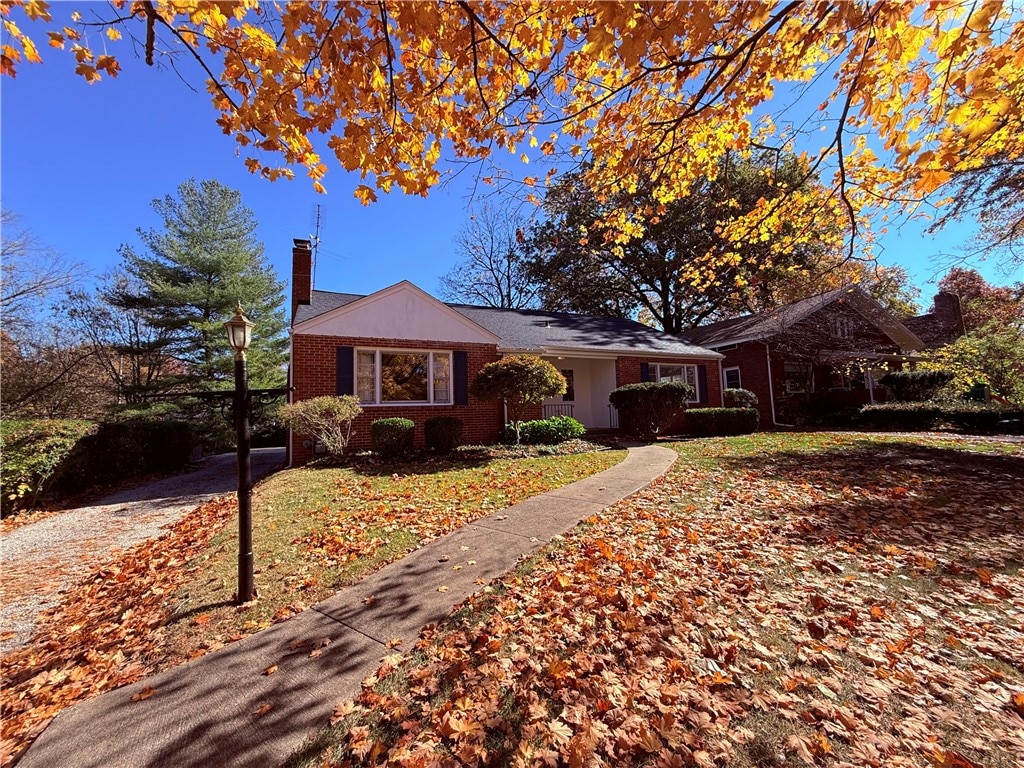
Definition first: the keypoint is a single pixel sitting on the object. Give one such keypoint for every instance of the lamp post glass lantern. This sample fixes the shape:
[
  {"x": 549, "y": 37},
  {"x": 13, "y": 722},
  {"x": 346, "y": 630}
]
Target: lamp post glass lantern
[{"x": 239, "y": 330}]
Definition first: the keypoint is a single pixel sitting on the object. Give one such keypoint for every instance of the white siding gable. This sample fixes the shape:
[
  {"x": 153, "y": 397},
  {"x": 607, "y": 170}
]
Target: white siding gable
[{"x": 401, "y": 312}]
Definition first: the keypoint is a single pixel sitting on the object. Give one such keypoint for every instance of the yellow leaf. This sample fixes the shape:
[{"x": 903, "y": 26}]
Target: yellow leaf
[
  {"x": 88, "y": 72},
  {"x": 365, "y": 194}
]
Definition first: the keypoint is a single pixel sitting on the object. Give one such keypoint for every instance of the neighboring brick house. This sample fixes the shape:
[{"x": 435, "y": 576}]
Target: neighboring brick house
[
  {"x": 405, "y": 353},
  {"x": 828, "y": 349}
]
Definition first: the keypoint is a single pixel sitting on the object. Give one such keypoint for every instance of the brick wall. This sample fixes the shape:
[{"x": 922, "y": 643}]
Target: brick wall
[{"x": 314, "y": 370}]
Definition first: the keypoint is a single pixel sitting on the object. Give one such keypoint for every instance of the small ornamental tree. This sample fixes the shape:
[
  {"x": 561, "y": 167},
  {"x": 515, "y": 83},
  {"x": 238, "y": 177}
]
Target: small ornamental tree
[
  {"x": 649, "y": 408},
  {"x": 519, "y": 380},
  {"x": 326, "y": 419}
]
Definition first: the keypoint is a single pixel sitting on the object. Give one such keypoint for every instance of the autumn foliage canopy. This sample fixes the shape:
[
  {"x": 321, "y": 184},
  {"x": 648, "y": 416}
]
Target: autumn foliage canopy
[{"x": 889, "y": 100}]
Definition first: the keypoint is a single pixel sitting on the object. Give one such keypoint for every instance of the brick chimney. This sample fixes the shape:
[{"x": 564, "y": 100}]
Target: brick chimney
[
  {"x": 948, "y": 313},
  {"x": 302, "y": 274}
]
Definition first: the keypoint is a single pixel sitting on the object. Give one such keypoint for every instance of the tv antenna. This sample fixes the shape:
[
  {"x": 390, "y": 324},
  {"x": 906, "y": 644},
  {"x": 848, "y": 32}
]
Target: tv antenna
[{"x": 315, "y": 240}]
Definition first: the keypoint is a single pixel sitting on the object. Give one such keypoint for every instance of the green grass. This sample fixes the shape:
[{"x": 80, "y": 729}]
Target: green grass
[{"x": 316, "y": 530}]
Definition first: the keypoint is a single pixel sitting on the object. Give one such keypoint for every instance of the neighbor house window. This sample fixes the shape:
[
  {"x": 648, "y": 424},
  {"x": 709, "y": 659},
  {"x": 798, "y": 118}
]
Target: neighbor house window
[
  {"x": 732, "y": 378},
  {"x": 390, "y": 376},
  {"x": 684, "y": 373},
  {"x": 799, "y": 378}
]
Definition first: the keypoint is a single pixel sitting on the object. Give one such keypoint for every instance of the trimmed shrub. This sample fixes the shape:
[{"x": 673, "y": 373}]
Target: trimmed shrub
[
  {"x": 326, "y": 419},
  {"x": 390, "y": 438},
  {"x": 552, "y": 431},
  {"x": 31, "y": 453},
  {"x": 739, "y": 398},
  {"x": 442, "y": 434},
  {"x": 973, "y": 417},
  {"x": 715, "y": 422},
  {"x": 649, "y": 408},
  {"x": 915, "y": 386},
  {"x": 901, "y": 416}
]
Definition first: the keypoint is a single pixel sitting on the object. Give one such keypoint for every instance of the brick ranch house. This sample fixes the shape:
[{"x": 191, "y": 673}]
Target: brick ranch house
[
  {"x": 829, "y": 349},
  {"x": 404, "y": 353}
]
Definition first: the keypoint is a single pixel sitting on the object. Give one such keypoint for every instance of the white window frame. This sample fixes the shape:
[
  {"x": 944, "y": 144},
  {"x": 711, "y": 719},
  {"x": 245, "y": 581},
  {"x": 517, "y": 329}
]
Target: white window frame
[
  {"x": 655, "y": 372},
  {"x": 725, "y": 377},
  {"x": 377, "y": 352}
]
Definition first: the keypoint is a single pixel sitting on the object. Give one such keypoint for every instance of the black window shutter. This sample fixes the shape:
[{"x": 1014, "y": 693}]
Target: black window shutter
[
  {"x": 460, "y": 385},
  {"x": 346, "y": 371},
  {"x": 702, "y": 383},
  {"x": 645, "y": 372}
]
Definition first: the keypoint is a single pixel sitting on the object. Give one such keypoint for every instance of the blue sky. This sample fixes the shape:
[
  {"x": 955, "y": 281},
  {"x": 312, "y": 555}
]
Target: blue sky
[{"x": 80, "y": 165}]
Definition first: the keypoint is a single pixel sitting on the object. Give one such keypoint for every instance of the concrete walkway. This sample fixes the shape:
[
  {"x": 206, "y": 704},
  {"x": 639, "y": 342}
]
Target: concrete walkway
[
  {"x": 42, "y": 559},
  {"x": 205, "y": 714}
]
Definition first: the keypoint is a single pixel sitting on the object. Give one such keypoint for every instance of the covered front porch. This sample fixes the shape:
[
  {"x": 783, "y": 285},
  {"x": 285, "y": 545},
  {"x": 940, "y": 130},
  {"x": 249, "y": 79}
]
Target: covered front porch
[{"x": 589, "y": 382}]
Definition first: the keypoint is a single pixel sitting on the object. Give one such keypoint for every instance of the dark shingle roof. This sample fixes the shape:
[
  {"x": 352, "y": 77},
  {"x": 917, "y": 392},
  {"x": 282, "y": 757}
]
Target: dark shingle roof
[
  {"x": 530, "y": 329},
  {"x": 322, "y": 302},
  {"x": 763, "y": 324}
]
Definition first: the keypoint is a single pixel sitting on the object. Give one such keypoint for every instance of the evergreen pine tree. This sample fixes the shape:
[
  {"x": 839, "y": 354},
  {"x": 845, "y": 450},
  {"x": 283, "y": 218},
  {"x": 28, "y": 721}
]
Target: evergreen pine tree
[{"x": 204, "y": 261}]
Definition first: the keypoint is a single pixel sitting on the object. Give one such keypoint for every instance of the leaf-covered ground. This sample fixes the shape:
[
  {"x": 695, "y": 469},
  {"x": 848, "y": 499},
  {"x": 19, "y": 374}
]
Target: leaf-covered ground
[
  {"x": 315, "y": 530},
  {"x": 778, "y": 600}
]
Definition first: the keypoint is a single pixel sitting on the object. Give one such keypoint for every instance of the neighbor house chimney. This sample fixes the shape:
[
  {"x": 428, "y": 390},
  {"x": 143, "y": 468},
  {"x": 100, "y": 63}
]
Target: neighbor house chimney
[
  {"x": 948, "y": 313},
  {"x": 302, "y": 274}
]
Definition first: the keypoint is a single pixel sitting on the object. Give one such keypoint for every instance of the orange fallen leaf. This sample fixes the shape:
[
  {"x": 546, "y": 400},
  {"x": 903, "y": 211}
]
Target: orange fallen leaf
[
  {"x": 262, "y": 709},
  {"x": 1017, "y": 701},
  {"x": 144, "y": 694},
  {"x": 270, "y": 670}
]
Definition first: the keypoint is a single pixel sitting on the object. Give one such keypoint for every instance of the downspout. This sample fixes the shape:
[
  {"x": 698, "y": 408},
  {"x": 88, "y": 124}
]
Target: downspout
[
  {"x": 721, "y": 382},
  {"x": 291, "y": 393},
  {"x": 771, "y": 387}
]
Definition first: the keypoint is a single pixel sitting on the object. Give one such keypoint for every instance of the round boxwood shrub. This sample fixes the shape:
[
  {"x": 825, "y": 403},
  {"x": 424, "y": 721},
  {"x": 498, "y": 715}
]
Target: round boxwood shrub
[
  {"x": 442, "y": 434},
  {"x": 716, "y": 422},
  {"x": 648, "y": 409},
  {"x": 392, "y": 437},
  {"x": 739, "y": 398}
]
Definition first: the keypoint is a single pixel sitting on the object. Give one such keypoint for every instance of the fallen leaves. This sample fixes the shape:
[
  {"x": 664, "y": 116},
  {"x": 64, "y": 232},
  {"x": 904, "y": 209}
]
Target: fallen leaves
[
  {"x": 770, "y": 604},
  {"x": 93, "y": 641},
  {"x": 375, "y": 509}
]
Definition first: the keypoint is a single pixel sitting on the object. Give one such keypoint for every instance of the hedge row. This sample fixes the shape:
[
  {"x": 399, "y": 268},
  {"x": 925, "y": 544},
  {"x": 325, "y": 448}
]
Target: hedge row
[
  {"x": 63, "y": 456},
  {"x": 911, "y": 417},
  {"x": 714, "y": 422}
]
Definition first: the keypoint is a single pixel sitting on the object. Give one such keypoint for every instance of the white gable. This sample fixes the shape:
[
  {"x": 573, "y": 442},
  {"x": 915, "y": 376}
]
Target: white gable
[{"x": 401, "y": 312}]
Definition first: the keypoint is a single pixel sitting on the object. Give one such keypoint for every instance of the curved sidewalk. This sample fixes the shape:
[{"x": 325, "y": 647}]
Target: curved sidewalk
[{"x": 222, "y": 711}]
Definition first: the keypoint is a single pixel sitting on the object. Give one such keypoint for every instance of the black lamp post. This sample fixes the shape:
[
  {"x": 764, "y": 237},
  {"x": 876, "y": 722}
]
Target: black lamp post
[{"x": 239, "y": 330}]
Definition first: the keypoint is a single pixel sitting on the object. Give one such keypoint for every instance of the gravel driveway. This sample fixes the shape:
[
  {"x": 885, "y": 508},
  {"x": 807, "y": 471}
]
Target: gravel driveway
[{"x": 40, "y": 560}]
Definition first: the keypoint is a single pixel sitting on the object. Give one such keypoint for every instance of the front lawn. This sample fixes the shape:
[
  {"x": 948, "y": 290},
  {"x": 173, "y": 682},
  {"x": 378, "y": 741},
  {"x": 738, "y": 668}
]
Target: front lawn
[
  {"x": 315, "y": 530},
  {"x": 777, "y": 600}
]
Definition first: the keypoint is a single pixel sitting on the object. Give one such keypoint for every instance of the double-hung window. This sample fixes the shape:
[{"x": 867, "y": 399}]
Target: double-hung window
[
  {"x": 732, "y": 378},
  {"x": 400, "y": 377},
  {"x": 684, "y": 373}
]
